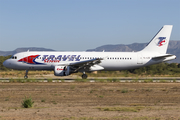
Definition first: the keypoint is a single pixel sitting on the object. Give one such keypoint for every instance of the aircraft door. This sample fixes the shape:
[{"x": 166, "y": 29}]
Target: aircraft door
[{"x": 139, "y": 58}]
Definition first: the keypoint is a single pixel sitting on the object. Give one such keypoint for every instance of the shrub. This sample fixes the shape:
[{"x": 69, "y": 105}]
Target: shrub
[
  {"x": 148, "y": 80},
  {"x": 174, "y": 80},
  {"x": 43, "y": 100},
  {"x": 27, "y": 102},
  {"x": 163, "y": 81},
  {"x": 49, "y": 80},
  {"x": 124, "y": 91},
  {"x": 61, "y": 80}
]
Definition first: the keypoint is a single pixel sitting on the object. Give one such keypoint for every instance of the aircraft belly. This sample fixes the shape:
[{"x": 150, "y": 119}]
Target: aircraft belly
[{"x": 25, "y": 66}]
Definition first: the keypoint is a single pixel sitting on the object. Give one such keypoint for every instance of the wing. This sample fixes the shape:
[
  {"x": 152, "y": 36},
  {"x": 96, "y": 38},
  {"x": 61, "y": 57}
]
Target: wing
[{"x": 88, "y": 65}]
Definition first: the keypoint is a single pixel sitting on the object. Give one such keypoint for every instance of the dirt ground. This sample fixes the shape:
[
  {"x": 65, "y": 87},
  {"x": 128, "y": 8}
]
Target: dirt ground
[{"x": 91, "y": 101}]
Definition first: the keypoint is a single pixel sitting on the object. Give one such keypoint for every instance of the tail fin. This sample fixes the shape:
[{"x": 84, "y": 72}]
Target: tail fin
[{"x": 160, "y": 41}]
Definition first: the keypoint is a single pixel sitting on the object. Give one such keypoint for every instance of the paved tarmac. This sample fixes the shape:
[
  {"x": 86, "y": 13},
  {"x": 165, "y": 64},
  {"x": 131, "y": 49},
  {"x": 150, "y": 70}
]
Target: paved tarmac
[{"x": 98, "y": 79}]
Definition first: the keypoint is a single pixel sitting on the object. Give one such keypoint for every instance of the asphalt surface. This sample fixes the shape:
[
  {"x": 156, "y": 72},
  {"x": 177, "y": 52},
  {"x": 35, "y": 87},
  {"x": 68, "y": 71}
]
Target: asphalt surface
[{"x": 98, "y": 79}]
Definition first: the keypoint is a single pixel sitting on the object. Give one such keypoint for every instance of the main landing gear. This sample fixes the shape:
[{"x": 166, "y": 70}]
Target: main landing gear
[
  {"x": 84, "y": 75},
  {"x": 25, "y": 77}
]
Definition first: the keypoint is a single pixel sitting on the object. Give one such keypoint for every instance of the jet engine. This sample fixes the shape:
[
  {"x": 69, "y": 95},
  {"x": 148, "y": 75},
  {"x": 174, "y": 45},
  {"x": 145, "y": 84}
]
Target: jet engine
[{"x": 62, "y": 70}]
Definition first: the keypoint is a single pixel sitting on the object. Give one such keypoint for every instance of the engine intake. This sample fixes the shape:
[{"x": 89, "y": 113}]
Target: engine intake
[{"x": 61, "y": 70}]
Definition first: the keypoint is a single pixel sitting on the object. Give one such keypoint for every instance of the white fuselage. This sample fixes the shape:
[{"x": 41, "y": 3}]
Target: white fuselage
[{"x": 110, "y": 60}]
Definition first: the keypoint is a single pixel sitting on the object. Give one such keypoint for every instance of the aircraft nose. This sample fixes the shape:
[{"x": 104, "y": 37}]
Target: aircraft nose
[{"x": 6, "y": 63}]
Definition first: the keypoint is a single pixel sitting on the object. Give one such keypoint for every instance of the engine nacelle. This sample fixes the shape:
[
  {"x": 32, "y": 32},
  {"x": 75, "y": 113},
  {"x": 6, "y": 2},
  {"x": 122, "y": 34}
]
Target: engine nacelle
[{"x": 61, "y": 70}]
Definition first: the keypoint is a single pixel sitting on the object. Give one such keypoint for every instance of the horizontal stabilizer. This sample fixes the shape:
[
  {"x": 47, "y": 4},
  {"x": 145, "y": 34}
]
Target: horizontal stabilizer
[{"x": 165, "y": 56}]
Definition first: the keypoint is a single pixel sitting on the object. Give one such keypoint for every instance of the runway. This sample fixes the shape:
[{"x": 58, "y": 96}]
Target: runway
[{"x": 94, "y": 79}]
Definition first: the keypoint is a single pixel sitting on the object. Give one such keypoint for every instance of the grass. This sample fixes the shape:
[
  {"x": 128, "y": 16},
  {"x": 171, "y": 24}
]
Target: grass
[
  {"x": 80, "y": 80},
  {"x": 135, "y": 80},
  {"x": 49, "y": 80},
  {"x": 43, "y": 100},
  {"x": 101, "y": 80},
  {"x": 27, "y": 102},
  {"x": 148, "y": 81},
  {"x": 21, "y": 73},
  {"x": 113, "y": 80},
  {"x": 19, "y": 80},
  {"x": 7, "y": 99},
  {"x": 107, "y": 98},
  {"x": 72, "y": 87},
  {"x": 54, "y": 102},
  {"x": 124, "y": 91},
  {"x": 122, "y": 109},
  {"x": 113, "y": 118},
  {"x": 17, "y": 77},
  {"x": 163, "y": 81},
  {"x": 92, "y": 91},
  {"x": 101, "y": 96}
]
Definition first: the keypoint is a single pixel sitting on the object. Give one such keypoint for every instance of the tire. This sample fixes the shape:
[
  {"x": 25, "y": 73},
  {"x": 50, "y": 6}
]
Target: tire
[
  {"x": 25, "y": 77},
  {"x": 84, "y": 76}
]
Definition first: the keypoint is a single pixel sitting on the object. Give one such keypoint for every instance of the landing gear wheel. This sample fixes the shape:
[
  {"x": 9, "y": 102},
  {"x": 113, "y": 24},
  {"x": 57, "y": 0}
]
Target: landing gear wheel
[
  {"x": 84, "y": 76},
  {"x": 25, "y": 77}
]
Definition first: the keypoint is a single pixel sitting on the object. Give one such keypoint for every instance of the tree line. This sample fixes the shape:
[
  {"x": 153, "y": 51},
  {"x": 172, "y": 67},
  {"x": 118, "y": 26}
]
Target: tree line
[
  {"x": 2, "y": 59},
  {"x": 158, "y": 69}
]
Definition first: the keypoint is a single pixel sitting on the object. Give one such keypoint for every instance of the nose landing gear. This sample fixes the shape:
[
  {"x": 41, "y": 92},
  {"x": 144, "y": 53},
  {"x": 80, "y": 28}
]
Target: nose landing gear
[{"x": 25, "y": 77}]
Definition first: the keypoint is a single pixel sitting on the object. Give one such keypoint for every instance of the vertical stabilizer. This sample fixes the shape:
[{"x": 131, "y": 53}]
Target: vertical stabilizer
[{"x": 160, "y": 41}]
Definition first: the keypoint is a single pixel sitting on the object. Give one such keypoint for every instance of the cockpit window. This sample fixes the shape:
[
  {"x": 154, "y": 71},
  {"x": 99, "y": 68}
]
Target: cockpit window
[{"x": 13, "y": 57}]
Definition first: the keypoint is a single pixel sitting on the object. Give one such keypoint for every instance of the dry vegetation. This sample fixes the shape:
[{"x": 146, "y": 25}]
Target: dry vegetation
[
  {"x": 91, "y": 101},
  {"x": 19, "y": 74}
]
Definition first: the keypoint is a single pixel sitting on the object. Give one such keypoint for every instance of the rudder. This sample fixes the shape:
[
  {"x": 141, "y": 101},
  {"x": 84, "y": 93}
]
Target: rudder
[{"x": 160, "y": 41}]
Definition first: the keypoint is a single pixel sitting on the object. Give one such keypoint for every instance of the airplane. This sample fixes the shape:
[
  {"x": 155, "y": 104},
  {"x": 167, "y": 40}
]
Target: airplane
[{"x": 66, "y": 63}]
